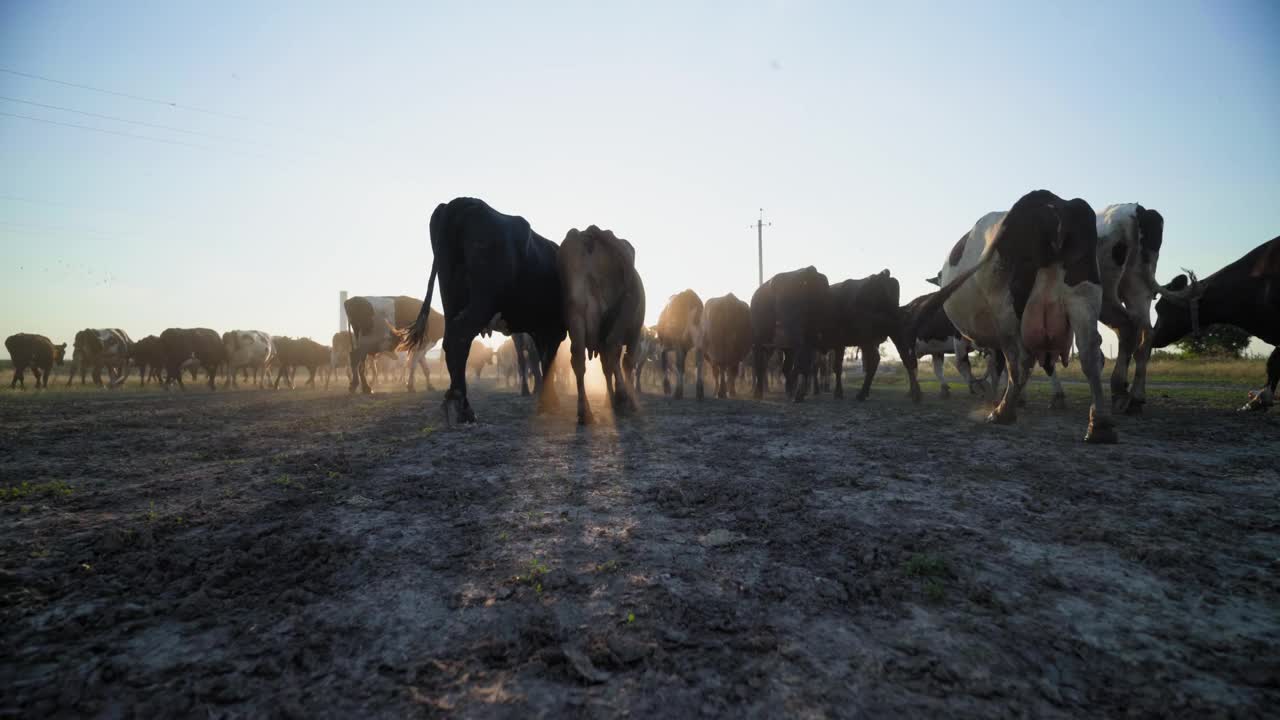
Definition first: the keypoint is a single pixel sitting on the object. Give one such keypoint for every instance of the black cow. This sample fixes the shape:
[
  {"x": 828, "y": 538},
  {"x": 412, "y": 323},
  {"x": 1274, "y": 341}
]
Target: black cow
[
  {"x": 1245, "y": 294},
  {"x": 788, "y": 313},
  {"x": 495, "y": 273},
  {"x": 863, "y": 314},
  {"x": 36, "y": 352},
  {"x": 148, "y": 355},
  {"x": 196, "y": 346}
]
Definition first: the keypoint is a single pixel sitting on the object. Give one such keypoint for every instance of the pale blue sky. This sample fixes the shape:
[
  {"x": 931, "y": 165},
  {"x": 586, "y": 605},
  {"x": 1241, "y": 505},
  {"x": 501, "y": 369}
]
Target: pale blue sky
[{"x": 872, "y": 136}]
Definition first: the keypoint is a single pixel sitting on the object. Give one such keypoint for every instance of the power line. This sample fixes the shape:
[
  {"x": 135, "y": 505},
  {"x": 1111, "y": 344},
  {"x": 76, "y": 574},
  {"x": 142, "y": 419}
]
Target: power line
[
  {"x": 140, "y": 98},
  {"x": 127, "y": 135},
  {"x": 126, "y": 120}
]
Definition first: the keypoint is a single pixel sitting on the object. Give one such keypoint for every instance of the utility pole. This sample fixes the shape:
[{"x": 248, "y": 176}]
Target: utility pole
[{"x": 760, "y": 225}]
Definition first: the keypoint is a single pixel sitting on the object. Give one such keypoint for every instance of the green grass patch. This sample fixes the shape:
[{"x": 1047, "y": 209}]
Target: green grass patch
[
  {"x": 925, "y": 565},
  {"x": 28, "y": 490}
]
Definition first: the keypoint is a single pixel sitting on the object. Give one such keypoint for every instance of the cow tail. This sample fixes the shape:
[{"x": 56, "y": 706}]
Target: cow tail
[{"x": 412, "y": 337}]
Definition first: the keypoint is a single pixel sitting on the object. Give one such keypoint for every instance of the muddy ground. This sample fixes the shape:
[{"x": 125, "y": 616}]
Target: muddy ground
[{"x": 310, "y": 554}]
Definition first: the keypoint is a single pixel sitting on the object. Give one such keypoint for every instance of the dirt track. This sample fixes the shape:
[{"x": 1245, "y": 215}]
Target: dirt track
[{"x": 312, "y": 554}]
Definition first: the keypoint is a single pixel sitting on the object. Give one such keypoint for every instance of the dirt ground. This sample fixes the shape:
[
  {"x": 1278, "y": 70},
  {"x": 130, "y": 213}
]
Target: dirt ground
[{"x": 311, "y": 554}]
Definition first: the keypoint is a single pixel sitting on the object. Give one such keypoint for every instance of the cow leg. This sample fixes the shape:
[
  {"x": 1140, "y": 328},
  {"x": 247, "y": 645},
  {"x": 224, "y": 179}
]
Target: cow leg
[
  {"x": 682, "y": 355},
  {"x": 619, "y": 388},
  {"x": 1141, "y": 358},
  {"x": 906, "y": 348},
  {"x": 1006, "y": 412},
  {"x": 1264, "y": 397},
  {"x": 961, "y": 350},
  {"x": 870, "y": 363},
  {"x": 1059, "y": 401},
  {"x": 1082, "y": 312},
  {"x": 17, "y": 377},
  {"x": 837, "y": 372},
  {"x": 802, "y": 371},
  {"x": 697, "y": 373},
  {"x": 628, "y": 376},
  {"x": 1128, "y": 340},
  {"x": 666, "y": 380},
  {"x": 578, "y": 359},
  {"x": 789, "y": 378},
  {"x": 760, "y": 359},
  {"x": 458, "y": 336},
  {"x": 944, "y": 389},
  {"x": 522, "y": 364}
]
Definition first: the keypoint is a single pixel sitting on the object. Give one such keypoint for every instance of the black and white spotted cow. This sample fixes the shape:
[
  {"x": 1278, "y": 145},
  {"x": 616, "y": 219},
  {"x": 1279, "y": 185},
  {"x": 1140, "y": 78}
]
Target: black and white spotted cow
[
  {"x": 938, "y": 337},
  {"x": 1129, "y": 239},
  {"x": 98, "y": 348},
  {"x": 1027, "y": 283},
  {"x": 249, "y": 350}
]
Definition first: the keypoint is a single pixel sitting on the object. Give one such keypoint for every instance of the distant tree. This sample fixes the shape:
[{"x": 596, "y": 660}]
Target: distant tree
[{"x": 1216, "y": 341}]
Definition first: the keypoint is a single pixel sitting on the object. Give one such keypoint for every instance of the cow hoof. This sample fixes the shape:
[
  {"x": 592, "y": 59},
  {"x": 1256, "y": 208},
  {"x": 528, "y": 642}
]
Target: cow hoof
[
  {"x": 1258, "y": 402},
  {"x": 916, "y": 395},
  {"x": 1120, "y": 401},
  {"x": 1135, "y": 407},
  {"x": 1101, "y": 431},
  {"x": 945, "y": 392},
  {"x": 697, "y": 392},
  {"x": 757, "y": 394},
  {"x": 586, "y": 418},
  {"x": 524, "y": 392},
  {"x": 666, "y": 387},
  {"x": 838, "y": 394},
  {"x": 861, "y": 396},
  {"x": 410, "y": 389},
  {"x": 1059, "y": 402},
  {"x": 679, "y": 393},
  {"x": 366, "y": 390}
]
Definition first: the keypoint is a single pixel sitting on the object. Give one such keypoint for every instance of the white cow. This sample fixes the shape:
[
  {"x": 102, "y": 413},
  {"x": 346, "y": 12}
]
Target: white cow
[
  {"x": 249, "y": 350},
  {"x": 1026, "y": 282}
]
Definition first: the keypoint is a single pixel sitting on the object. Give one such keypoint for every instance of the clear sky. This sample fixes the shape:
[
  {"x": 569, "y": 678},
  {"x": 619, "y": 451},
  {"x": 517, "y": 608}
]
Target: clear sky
[{"x": 324, "y": 135}]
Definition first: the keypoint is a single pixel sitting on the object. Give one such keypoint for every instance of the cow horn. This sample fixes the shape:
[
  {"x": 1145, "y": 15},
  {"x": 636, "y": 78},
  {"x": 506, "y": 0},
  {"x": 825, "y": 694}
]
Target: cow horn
[
  {"x": 1193, "y": 291},
  {"x": 1189, "y": 296}
]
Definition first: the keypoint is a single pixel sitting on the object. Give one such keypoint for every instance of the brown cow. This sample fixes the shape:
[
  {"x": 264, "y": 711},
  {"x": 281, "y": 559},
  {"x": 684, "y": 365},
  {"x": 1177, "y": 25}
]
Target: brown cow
[
  {"x": 679, "y": 331},
  {"x": 604, "y": 309},
  {"x": 479, "y": 357},
  {"x": 301, "y": 352},
  {"x": 726, "y": 339},
  {"x": 374, "y": 321},
  {"x": 36, "y": 352}
]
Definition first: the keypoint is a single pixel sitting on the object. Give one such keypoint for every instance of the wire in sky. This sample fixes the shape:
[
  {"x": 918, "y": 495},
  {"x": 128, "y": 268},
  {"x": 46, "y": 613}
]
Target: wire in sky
[
  {"x": 131, "y": 96},
  {"x": 127, "y": 135},
  {"x": 131, "y": 122}
]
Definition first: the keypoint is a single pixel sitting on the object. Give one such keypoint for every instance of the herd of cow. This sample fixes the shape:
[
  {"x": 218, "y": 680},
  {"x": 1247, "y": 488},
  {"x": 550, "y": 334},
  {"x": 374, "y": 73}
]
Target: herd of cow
[{"x": 1024, "y": 285}]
